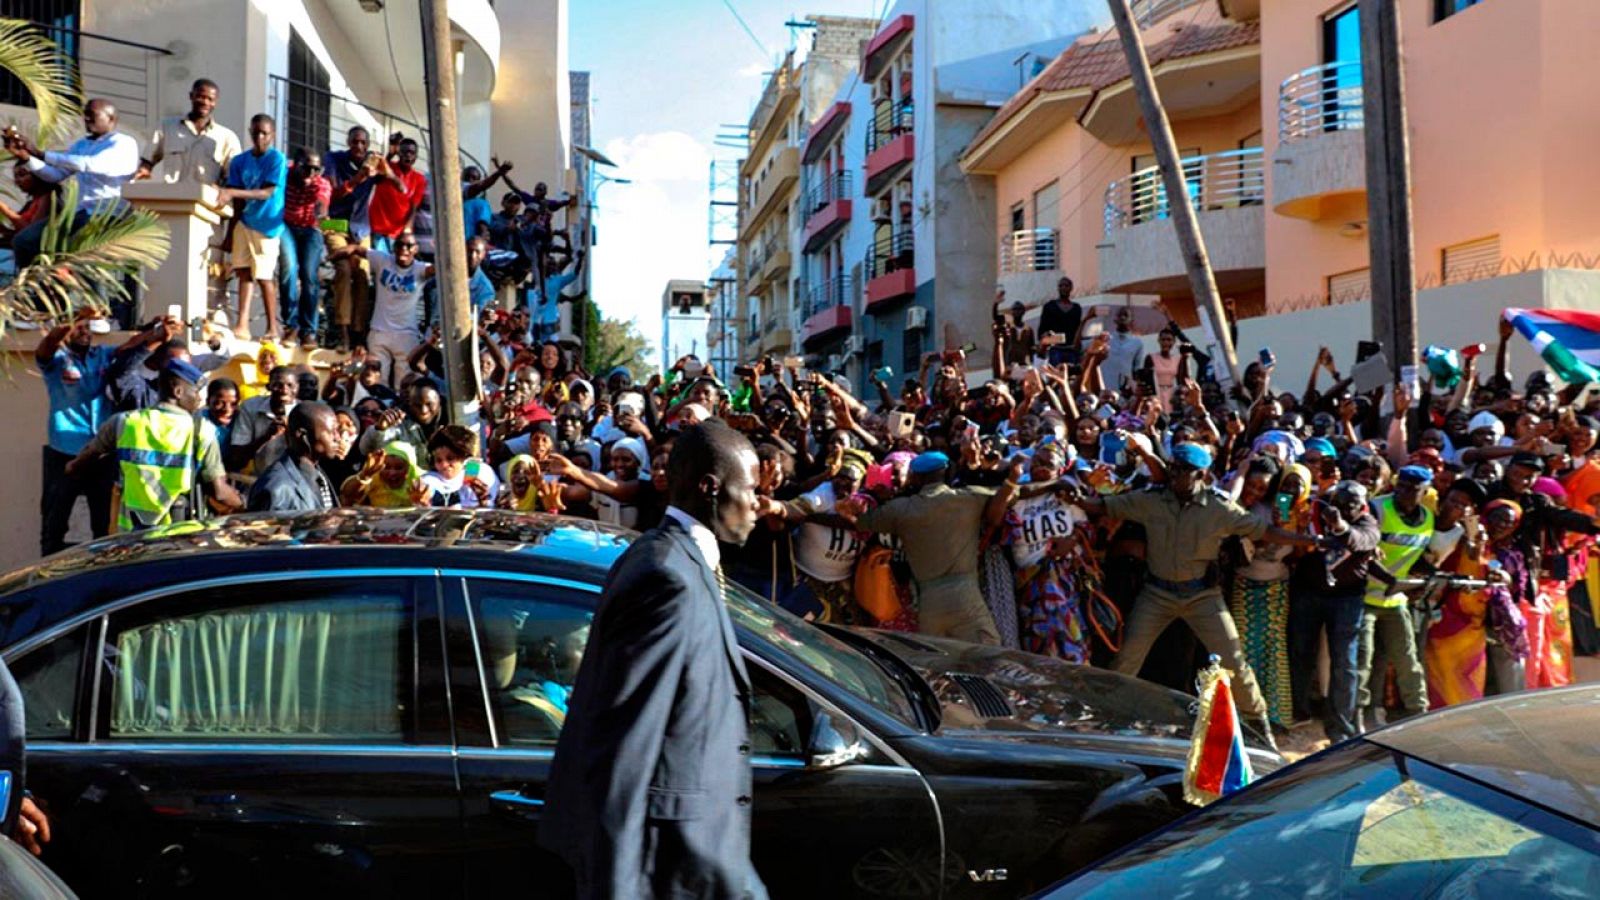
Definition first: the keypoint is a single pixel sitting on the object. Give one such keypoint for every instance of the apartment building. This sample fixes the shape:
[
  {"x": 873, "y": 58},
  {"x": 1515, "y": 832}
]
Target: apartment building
[
  {"x": 894, "y": 244},
  {"x": 1266, "y": 106},
  {"x": 685, "y": 321},
  {"x": 726, "y": 326}
]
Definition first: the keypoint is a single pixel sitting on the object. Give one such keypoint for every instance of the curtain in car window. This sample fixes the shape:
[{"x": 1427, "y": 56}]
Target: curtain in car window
[{"x": 308, "y": 669}]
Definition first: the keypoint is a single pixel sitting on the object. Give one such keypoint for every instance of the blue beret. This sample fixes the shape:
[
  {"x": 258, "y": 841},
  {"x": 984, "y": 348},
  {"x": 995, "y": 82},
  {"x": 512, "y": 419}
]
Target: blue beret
[
  {"x": 932, "y": 461},
  {"x": 185, "y": 370},
  {"x": 1323, "y": 446},
  {"x": 1418, "y": 474},
  {"x": 1192, "y": 455}
]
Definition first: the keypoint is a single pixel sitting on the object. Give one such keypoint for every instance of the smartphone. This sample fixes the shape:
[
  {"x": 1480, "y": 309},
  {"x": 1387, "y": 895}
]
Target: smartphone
[
  {"x": 693, "y": 368},
  {"x": 1113, "y": 449},
  {"x": 744, "y": 371},
  {"x": 1050, "y": 339},
  {"x": 794, "y": 362},
  {"x": 1267, "y": 359},
  {"x": 175, "y": 311},
  {"x": 1367, "y": 349},
  {"x": 1146, "y": 378},
  {"x": 1282, "y": 504},
  {"x": 971, "y": 431},
  {"x": 472, "y": 468},
  {"x": 902, "y": 424},
  {"x": 883, "y": 374}
]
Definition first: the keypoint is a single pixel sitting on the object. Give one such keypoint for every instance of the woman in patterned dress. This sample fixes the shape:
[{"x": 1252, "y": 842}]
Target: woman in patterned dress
[
  {"x": 1259, "y": 597},
  {"x": 1043, "y": 533}
]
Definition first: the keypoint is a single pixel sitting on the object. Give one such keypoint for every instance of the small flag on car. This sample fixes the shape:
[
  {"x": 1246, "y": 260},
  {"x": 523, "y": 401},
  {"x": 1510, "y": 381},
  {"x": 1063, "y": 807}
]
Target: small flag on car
[{"x": 1218, "y": 765}]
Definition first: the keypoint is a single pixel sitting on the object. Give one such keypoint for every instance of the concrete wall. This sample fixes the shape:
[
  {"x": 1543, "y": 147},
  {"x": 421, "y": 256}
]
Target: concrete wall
[
  {"x": 532, "y": 96},
  {"x": 963, "y": 232}
]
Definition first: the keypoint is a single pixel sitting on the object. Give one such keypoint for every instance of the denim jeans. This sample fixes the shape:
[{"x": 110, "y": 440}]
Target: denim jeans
[
  {"x": 1340, "y": 615},
  {"x": 301, "y": 251}
]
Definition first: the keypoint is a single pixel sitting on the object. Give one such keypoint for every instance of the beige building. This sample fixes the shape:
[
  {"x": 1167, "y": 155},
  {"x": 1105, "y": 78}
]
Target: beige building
[{"x": 1266, "y": 105}]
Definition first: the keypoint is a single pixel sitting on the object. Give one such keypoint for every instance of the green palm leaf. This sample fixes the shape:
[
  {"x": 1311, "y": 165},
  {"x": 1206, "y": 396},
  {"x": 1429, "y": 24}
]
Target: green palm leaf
[
  {"x": 86, "y": 267},
  {"x": 48, "y": 74}
]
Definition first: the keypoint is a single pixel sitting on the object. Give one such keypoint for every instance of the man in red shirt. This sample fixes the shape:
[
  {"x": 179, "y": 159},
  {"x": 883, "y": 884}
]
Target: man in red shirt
[
  {"x": 305, "y": 205},
  {"x": 396, "y": 196}
]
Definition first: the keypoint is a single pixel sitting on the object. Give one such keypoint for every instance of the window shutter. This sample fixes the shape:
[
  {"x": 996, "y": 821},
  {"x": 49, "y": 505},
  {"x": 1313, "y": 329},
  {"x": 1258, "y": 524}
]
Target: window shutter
[
  {"x": 1350, "y": 287},
  {"x": 1472, "y": 260}
]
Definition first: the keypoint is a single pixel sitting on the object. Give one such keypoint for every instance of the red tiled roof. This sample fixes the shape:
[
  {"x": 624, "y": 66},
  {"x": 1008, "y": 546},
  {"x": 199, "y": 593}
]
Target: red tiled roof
[{"x": 1098, "y": 63}]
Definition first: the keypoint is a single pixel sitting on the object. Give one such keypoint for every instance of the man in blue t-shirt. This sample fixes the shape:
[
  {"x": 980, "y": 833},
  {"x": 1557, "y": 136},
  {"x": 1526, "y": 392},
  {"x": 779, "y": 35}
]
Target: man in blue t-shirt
[
  {"x": 255, "y": 188},
  {"x": 74, "y": 371},
  {"x": 547, "y": 318},
  {"x": 475, "y": 209}
]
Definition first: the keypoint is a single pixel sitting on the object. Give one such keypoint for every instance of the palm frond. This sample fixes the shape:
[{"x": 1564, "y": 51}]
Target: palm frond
[
  {"x": 49, "y": 75},
  {"x": 86, "y": 267}
]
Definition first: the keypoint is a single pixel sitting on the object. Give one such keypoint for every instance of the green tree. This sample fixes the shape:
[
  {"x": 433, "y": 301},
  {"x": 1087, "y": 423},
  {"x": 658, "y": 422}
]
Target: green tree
[
  {"x": 611, "y": 343},
  {"x": 74, "y": 268}
]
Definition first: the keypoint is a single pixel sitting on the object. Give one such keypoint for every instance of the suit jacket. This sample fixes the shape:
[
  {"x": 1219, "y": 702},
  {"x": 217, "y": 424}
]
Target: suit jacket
[
  {"x": 650, "y": 789},
  {"x": 286, "y": 486}
]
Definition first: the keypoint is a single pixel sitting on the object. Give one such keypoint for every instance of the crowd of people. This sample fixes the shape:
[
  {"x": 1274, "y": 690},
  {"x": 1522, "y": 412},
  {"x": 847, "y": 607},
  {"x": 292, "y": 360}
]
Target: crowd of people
[{"x": 1435, "y": 541}]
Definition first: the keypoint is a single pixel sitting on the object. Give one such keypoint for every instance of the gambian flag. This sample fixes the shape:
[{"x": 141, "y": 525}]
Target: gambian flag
[
  {"x": 1218, "y": 765},
  {"x": 1567, "y": 339}
]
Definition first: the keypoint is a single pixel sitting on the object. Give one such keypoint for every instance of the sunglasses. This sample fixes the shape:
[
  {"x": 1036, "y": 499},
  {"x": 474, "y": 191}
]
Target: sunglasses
[{"x": 407, "y": 245}]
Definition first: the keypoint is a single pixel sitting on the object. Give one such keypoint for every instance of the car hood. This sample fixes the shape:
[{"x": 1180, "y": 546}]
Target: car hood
[{"x": 1011, "y": 695}]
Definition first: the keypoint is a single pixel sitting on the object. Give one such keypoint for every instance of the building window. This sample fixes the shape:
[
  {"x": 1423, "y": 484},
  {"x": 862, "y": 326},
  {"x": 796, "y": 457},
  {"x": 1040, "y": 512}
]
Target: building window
[
  {"x": 911, "y": 352},
  {"x": 1047, "y": 206},
  {"x": 1349, "y": 287},
  {"x": 308, "y": 113},
  {"x": 1471, "y": 261},
  {"x": 58, "y": 19},
  {"x": 1444, "y": 9},
  {"x": 1019, "y": 217},
  {"x": 874, "y": 356}
]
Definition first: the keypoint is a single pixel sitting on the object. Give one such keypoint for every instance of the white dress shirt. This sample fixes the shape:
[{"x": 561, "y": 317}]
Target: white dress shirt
[
  {"x": 703, "y": 538},
  {"x": 102, "y": 165}
]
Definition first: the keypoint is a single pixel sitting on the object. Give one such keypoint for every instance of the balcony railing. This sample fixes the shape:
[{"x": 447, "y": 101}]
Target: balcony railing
[
  {"x": 891, "y": 255},
  {"x": 124, "y": 72},
  {"x": 889, "y": 121},
  {"x": 1149, "y": 12},
  {"x": 770, "y": 325},
  {"x": 836, "y": 186},
  {"x": 828, "y": 294},
  {"x": 1319, "y": 100},
  {"x": 1216, "y": 181},
  {"x": 1030, "y": 250},
  {"x": 319, "y": 119}
]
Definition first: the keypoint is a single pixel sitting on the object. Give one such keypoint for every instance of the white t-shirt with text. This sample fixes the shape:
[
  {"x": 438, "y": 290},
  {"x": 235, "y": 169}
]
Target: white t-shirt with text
[{"x": 398, "y": 307}]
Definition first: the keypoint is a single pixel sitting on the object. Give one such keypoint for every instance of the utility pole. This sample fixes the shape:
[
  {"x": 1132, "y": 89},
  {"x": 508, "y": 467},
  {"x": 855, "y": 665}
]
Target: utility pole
[
  {"x": 1388, "y": 145},
  {"x": 459, "y": 331},
  {"x": 1193, "y": 246}
]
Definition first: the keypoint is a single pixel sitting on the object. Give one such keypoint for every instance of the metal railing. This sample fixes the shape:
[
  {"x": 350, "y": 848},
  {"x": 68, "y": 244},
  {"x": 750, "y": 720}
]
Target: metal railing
[
  {"x": 320, "y": 119},
  {"x": 772, "y": 246},
  {"x": 770, "y": 325},
  {"x": 889, "y": 121},
  {"x": 1030, "y": 250},
  {"x": 825, "y": 295},
  {"x": 1149, "y": 12},
  {"x": 1215, "y": 181},
  {"x": 755, "y": 260},
  {"x": 125, "y": 72},
  {"x": 893, "y": 254},
  {"x": 837, "y": 186},
  {"x": 1320, "y": 99}
]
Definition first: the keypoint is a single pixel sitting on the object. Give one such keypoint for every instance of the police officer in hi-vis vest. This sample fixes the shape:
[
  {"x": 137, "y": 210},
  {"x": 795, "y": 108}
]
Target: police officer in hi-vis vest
[
  {"x": 163, "y": 456},
  {"x": 1405, "y": 527}
]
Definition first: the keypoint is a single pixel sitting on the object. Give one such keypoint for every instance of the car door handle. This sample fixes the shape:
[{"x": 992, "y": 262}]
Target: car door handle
[{"x": 516, "y": 803}]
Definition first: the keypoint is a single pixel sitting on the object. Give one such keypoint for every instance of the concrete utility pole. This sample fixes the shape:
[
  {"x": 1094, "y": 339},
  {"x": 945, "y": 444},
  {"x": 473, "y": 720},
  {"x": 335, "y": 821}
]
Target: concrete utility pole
[
  {"x": 1394, "y": 295},
  {"x": 460, "y": 332},
  {"x": 1201, "y": 280}
]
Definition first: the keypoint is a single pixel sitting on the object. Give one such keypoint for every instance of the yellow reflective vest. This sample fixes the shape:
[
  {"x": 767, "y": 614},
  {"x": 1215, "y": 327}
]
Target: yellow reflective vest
[
  {"x": 155, "y": 454},
  {"x": 1399, "y": 547}
]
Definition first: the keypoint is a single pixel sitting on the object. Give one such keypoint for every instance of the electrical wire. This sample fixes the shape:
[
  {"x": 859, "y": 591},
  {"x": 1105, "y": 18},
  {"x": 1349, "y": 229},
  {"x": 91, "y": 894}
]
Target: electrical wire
[
  {"x": 394, "y": 66},
  {"x": 745, "y": 25}
]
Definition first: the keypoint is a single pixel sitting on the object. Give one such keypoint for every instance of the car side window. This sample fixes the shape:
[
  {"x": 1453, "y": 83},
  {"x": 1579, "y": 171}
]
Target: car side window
[
  {"x": 48, "y": 678},
  {"x": 530, "y": 644},
  {"x": 312, "y": 660},
  {"x": 780, "y": 715}
]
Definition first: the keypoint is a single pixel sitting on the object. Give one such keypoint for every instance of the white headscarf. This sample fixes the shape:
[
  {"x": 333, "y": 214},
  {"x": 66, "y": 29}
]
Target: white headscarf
[{"x": 636, "y": 447}]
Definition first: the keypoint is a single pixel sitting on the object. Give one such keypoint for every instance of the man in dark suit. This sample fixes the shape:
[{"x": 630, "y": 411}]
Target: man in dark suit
[
  {"x": 296, "y": 483},
  {"x": 650, "y": 789}
]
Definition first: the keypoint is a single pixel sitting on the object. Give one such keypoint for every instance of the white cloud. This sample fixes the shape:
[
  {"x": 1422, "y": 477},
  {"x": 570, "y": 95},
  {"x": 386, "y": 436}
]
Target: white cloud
[
  {"x": 755, "y": 70},
  {"x": 654, "y": 229}
]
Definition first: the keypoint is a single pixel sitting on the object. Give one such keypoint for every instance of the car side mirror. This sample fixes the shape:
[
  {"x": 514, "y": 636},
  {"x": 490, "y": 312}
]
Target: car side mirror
[{"x": 833, "y": 745}]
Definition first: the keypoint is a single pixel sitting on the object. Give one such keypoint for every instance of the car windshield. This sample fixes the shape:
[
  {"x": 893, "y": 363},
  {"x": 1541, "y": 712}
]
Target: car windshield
[
  {"x": 835, "y": 660},
  {"x": 1357, "y": 821}
]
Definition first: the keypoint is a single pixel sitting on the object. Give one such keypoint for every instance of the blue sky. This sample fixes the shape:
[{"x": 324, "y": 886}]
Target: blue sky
[{"x": 665, "y": 75}]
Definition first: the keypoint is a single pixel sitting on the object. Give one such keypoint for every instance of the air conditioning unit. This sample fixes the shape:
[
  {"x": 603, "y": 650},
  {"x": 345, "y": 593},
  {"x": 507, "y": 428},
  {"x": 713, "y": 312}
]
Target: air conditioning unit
[
  {"x": 855, "y": 344},
  {"x": 835, "y": 363},
  {"x": 916, "y": 317}
]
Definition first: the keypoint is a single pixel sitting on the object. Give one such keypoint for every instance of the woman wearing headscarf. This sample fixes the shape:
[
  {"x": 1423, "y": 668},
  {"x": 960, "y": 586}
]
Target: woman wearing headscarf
[
  {"x": 1046, "y": 538},
  {"x": 615, "y": 495},
  {"x": 1547, "y": 612},
  {"x": 1476, "y": 631},
  {"x": 526, "y": 488},
  {"x": 388, "y": 480},
  {"x": 1258, "y": 595}
]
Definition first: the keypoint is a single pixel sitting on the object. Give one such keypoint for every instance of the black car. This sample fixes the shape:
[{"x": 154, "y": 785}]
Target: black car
[
  {"x": 362, "y": 703},
  {"x": 1498, "y": 800},
  {"x": 24, "y": 878}
]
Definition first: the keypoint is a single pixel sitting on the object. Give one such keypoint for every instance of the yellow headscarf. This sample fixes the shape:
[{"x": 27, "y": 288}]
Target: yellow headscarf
[
  {"x": 1299, "y": 507},
  {"x": 380, "y": 494},
  {"x": 529, "y": 501}
]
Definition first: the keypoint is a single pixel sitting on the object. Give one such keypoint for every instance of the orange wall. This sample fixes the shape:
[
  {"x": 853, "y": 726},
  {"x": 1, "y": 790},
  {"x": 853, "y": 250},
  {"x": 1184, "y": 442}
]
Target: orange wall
[
  {"x": 1503, "y": 128},
  {"x": 1085, "y": 167}
]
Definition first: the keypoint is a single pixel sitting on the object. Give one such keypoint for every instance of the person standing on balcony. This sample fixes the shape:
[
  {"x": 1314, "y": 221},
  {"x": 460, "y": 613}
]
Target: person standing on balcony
[
  {"x": 547, "y": 324},
  {"x": 192, "y": 147},
  {"x": 397, "y": 316},
  {"x": 101, "y": 161},
  {"x": 1060, "y": 320},
  {"x": 255, "y": 187},
  {"x": 305, "y": 205},
  {"x": 349, "y": 173},
  {"x": 475, "y": 210},
  {"x": 1124, "y": 353},
  {"x": 397, "y": 195}
]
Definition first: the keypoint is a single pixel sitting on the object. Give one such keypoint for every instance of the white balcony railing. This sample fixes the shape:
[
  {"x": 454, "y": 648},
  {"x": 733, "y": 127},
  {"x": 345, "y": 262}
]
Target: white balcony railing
[
  {"x": 1216, "y": 181},
  {"x": 1030, "y": 250},
  {"x": 1149, "y": 12},
  {"x": 1319, "y": 100}
]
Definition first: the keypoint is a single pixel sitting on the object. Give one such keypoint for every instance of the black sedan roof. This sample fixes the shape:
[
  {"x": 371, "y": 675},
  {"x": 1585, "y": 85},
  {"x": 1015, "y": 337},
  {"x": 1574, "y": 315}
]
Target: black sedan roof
[
  {"x": 1543, "y": 746},
  {"x": 82, "y": 576}
]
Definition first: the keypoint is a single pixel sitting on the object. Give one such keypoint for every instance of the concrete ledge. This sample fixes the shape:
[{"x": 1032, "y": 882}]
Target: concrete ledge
[
  {"x": 1141, "y": 258},
  {"x": 1308, "y": 174}
]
